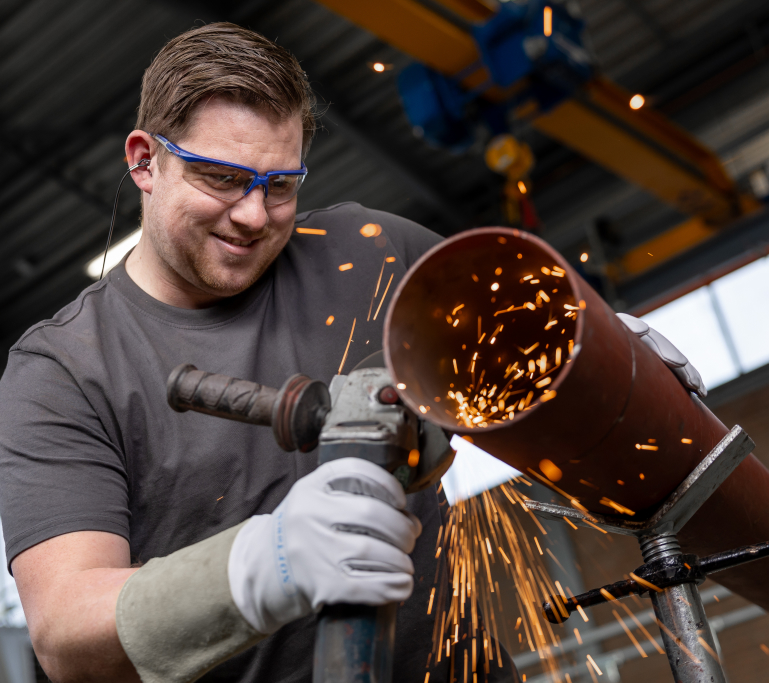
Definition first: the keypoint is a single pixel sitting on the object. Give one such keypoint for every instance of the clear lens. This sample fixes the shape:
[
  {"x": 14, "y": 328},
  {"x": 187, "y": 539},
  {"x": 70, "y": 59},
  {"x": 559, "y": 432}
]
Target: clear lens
[
  {"x": 229, "y": 183},
  {"x": 281, "y": 188},
  {"x": 217, "y": 180}
]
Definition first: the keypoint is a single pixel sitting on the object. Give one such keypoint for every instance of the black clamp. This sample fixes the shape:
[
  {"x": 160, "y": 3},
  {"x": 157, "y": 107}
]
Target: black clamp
[{"x": 654, "y": 576}]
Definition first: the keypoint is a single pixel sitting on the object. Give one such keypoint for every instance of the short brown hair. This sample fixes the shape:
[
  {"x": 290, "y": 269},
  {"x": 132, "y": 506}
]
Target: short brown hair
[{"x": 226, "y": 60}]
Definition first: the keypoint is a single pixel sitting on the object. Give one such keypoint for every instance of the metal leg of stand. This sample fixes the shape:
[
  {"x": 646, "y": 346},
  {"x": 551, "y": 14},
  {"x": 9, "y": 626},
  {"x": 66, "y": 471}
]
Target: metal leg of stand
[
  {"x": 685, "y": 630},
  {"x": 691, "y": 653},
  {"x": 354, "y": 644}
]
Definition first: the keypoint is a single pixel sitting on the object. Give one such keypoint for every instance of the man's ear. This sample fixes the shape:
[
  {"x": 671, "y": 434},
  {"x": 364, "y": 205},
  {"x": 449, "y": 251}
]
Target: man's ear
[{"x": 139, "y": 145}]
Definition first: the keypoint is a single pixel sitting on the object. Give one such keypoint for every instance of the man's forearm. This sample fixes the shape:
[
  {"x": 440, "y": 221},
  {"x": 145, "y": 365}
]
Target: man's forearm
[
  {"x": 77, "y": 639},
  {"x": 173, "y": 619}
]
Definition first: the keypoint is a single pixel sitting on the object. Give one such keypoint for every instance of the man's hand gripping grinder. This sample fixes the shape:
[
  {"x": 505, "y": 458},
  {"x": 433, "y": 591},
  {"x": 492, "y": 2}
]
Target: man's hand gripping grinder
[{"x": 361, "y": 416}]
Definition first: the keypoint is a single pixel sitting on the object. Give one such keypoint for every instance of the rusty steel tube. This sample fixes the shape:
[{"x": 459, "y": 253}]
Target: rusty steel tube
[{"x": 620, "y": 433}]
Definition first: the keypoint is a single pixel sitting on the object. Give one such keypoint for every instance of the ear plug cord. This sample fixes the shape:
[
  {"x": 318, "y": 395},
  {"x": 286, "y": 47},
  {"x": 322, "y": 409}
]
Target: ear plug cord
[{"x": 143, "y": 162}]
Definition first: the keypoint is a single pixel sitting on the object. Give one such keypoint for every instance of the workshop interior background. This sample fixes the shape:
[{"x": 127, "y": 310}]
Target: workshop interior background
[{"x": 70, "y": 72}]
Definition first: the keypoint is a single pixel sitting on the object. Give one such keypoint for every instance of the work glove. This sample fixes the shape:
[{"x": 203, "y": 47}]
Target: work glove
[
  {"x": 685, "y": 372},
  {"x": 342, "y": 534}
]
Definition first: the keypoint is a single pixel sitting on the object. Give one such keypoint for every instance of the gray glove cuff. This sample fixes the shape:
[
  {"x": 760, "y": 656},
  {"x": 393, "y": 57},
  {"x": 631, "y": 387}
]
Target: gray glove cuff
[{"x": 176, "y": 618}]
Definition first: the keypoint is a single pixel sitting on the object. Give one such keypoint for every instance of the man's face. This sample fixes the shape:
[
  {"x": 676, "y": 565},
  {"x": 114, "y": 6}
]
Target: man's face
[{"x": 209, "y": 246}]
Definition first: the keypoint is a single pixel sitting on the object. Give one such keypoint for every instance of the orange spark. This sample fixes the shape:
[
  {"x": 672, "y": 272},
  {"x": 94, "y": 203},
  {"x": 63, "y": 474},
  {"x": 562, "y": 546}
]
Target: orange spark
[
  {"x": 641, "y": 628},
  {"x": 595, "y": 666},
  {"x": 371, "y": 230},
  {"x": 349, "y": 341},
  {"x": 616, "y": 506},
  {"x": 547, "y": 21},
  {"x": 384, "y": 295},
  {"x": 645, "y": 583},
  {"x": 629, "y": 633},
  {"x": 550, "y": 470}
]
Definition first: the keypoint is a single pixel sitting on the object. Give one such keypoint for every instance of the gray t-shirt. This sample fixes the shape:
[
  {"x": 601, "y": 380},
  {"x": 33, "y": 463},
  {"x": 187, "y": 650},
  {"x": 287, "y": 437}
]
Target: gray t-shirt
[{"x": 88, "y": 442}]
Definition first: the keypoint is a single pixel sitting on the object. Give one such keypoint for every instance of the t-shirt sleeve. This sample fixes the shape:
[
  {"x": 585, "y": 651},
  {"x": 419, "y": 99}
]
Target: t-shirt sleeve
[{"x": 59, "y": 471}]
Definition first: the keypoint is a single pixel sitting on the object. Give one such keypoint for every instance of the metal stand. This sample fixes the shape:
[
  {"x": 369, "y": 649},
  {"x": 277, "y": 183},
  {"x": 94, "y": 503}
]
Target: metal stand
[{"x": 668, "y": 576}]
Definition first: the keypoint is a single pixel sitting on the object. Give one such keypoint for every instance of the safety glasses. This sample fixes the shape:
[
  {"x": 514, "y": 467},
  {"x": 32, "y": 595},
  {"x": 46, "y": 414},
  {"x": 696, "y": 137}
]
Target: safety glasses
[{"x": 230, "y": 182}]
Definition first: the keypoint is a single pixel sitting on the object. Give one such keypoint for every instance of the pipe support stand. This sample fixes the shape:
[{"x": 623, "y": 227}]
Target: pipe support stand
[{"x": 686, "y": 635}]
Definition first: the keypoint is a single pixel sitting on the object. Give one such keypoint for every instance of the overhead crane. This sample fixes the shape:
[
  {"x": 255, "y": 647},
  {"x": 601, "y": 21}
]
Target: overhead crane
[{"x": 523, "y": 60}]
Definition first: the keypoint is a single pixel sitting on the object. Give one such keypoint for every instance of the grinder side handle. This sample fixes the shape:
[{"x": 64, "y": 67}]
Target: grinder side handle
[{"x": 236, "y": 399}]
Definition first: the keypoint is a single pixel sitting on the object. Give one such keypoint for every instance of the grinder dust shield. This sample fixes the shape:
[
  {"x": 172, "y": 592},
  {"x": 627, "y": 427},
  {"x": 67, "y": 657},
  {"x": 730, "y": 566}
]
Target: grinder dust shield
[{"x": 494, "y": 336}]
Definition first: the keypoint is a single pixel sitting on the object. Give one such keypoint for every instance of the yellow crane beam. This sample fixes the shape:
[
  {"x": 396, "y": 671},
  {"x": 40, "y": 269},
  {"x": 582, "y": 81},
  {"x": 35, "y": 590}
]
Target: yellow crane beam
[
  {"x": 645, "y": 149},
  {"x": 641, "y": 145}
]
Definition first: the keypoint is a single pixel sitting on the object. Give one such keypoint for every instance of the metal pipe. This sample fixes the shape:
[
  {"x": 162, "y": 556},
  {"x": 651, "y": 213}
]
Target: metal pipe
[{"x": 620, "y": 429}]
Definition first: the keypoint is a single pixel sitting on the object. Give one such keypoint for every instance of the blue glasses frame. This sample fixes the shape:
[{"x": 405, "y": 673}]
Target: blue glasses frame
[{"x": 262, "y": 180}]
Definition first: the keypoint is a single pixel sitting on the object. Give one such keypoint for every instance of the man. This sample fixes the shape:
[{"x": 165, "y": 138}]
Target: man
[
  {"x": 155, "y": 546},
  {"x": 100, "y": 476}
]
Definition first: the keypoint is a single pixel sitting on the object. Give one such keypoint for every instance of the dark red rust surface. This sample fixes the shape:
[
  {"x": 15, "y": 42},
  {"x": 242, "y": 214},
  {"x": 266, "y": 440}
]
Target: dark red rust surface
[{"x": 613, "y": 396}]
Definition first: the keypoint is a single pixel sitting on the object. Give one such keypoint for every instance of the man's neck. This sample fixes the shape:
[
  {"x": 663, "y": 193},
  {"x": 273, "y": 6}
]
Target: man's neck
[{"x": 155, "y": 277}]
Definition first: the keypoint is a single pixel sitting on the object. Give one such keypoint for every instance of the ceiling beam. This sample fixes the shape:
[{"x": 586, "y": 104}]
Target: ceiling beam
[
  {"x": 648, "y": 20},
  {"x": 729, "y": 249}
]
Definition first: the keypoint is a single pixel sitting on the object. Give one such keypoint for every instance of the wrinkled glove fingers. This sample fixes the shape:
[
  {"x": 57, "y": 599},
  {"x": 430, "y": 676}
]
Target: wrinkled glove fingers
[
  {"x": 691, "y": 379},
  {"x": 635, "y": 325},
  {"x": 377, "y": 519},
  {"x": 360, "y": 477},
  {"x": 686, "y": 373},
  {"x": 370, "y": 588},
  {"x": 670, "y": 355},
  {"x": 365, "y": 553}
]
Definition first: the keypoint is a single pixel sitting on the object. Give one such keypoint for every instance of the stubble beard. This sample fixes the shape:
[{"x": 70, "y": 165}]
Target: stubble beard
[
  {"x": 199, "y": 270},
  {"x": 211, "y": 275}
]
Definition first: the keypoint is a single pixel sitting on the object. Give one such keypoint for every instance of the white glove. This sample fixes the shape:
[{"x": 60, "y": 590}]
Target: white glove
[
  {"x": 685, "y": 372},
  {"x": 342, "y": 534}
]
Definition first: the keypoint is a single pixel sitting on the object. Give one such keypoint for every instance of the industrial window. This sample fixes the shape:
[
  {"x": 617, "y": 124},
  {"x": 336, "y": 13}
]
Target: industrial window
[{"x": 722, "y": 328}]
